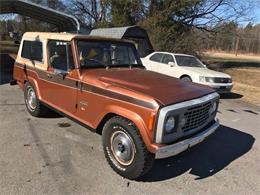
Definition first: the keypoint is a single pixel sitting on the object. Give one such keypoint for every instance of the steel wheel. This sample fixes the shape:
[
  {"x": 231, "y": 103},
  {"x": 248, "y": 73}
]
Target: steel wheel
[
  {"x": 122, "y": 147},
  {"x": 31, "y": 99}
]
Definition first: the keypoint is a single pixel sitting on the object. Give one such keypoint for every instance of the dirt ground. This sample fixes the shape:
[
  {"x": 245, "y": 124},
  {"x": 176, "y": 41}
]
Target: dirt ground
[
  {"x": 245, "y": 71},
  {"x": 246, "y": 83},
  {"x": 232, "y": 56}
]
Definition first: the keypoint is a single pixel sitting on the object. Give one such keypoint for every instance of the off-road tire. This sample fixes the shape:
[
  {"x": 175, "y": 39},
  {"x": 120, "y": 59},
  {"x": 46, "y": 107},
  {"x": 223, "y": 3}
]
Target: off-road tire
[
  {"x": 39, "y": 110},
  {"x": 142, "y": 160}
]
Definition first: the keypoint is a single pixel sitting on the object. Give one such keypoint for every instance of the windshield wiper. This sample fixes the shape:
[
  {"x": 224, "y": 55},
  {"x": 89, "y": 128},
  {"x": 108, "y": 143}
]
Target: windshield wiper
[
  {"x": 134, "y": 65},
  {"x": 101, "y": 63}
]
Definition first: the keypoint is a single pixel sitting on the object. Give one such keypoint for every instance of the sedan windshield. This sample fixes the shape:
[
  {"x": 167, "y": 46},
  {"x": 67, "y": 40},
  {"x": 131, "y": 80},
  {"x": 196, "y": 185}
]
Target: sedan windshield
[
  {"x": 189, "y": 61},
  {"x": 95, "y": 54}
]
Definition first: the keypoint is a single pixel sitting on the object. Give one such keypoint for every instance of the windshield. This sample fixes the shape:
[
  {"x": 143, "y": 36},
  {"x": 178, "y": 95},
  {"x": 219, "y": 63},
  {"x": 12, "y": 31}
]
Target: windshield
[
  {"x": 95, "y": 54},
  {"x": 189, "y": 61}
]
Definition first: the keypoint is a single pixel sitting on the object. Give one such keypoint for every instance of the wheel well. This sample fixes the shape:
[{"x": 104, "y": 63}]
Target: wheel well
[
  {"x": 24, "y": 83},
  {"x": 108, "y": 116},
  {"x": 185, "y": 75}
]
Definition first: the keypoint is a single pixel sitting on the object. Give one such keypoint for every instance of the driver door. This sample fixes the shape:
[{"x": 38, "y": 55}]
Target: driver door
[{"x": 61, "y": 86}]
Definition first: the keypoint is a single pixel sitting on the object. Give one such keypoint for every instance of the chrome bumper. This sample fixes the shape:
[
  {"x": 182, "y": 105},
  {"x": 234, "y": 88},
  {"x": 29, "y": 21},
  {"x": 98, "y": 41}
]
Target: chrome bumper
[{"x": 174, "y": 149}]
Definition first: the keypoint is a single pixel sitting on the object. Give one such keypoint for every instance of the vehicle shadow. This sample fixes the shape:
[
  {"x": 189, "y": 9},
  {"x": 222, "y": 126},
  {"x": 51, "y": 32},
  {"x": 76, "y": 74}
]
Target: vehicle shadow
[
  {"x": 6, "y": 68},
  {"x": 51, "y": 114},
  {"x": 230, "y": 95},
  {"x": 205, "y": 159}
]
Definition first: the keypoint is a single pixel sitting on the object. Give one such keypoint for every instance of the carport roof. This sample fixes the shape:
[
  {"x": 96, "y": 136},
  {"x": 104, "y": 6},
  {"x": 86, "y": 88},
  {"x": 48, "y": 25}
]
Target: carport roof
[
  {"x": 63, "y": 21},
  {"x": 116, "y": 32}
]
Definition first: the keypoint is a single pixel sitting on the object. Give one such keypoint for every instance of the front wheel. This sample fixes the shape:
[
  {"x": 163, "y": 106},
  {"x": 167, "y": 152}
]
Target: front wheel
[
  {"x": 124, "y": 148},
  {"x": 186, "y": 78}
]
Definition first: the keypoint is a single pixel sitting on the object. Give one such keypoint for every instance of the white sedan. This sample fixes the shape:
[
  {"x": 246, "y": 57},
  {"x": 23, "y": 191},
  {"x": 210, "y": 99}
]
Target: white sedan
[{"x": 187, "y": 68}]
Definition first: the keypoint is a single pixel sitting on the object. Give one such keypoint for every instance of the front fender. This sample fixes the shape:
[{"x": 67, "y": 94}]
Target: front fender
[{"x": 134, "y": 117}]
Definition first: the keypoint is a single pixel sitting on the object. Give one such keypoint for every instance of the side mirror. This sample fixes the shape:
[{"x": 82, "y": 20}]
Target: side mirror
[
  {"x": 61, "y": 73},
  {"x": 204, "y": 64},
  {"x": 172, "y": 64}
]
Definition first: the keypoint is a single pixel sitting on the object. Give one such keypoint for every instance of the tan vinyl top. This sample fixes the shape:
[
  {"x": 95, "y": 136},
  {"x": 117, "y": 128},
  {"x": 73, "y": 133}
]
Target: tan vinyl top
[{"x": 65, "y": 36}]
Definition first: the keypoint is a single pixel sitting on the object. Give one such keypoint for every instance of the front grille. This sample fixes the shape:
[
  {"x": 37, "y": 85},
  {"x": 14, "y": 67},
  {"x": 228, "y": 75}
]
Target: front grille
[
  {"x": 196, "y": 116},
  {"x": 222, "y": 80}
]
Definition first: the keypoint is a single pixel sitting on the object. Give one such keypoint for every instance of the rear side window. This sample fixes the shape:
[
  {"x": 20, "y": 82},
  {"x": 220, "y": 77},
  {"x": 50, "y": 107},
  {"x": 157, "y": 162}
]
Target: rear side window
[
  {"x": 32, "y": 50},
  {"x": 156, "y": 57}
]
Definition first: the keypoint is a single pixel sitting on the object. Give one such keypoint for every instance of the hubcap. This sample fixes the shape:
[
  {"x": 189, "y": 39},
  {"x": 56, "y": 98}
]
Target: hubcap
[
  {"x": 122, "y": 148},
  {"x": 186, "y": 79},
  {"x": 31, "y": 99}
]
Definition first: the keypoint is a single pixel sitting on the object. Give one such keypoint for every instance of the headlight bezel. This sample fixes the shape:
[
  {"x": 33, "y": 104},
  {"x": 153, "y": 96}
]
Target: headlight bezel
[
  {"x": 209, "y": 79},
  {"x": 205, "y": 79},
  {"x": 213, "y": 108},
  {"x": 173, "y": 127},
  {"x": 202, "y": 79}
]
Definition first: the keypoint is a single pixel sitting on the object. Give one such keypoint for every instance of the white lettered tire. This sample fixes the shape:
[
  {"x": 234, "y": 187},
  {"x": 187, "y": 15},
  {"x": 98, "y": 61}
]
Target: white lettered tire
[{"x": 124, "y": 148}]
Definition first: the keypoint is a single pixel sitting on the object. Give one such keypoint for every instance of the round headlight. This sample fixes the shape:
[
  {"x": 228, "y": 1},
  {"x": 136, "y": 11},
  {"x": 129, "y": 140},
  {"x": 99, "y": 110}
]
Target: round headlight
[
  {"x": 213, "y": 108},
  {"x": 170, "y": 124}
]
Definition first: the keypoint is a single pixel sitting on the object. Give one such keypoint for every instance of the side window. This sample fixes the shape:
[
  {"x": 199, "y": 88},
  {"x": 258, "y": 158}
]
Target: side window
[
  {"x": 167, "y": 58},
  {"x": 156, "y": 57},
  {"x": 32, "y": 50},
  {"x": 60, "y": 55}
]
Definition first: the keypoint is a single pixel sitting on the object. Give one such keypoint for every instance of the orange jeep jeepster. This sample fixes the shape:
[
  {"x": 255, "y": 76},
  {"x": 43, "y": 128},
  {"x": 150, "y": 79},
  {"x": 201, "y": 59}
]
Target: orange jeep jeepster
[{"x": 102, "y": 84}]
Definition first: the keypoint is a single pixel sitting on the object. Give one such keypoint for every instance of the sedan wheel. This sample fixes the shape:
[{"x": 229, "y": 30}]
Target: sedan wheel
[{"x": 186, "y": 79}]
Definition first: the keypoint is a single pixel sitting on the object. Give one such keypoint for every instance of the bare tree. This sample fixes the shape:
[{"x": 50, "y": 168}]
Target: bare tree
[
  {"x": 206, "y": 14},
  {"x": 90, "y": 11}
]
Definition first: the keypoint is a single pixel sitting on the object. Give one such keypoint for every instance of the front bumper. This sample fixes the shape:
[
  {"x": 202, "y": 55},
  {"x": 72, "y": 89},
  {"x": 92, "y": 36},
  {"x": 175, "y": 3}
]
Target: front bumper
[
  {"x": 174, "y": 149},
  {"x": 222, "y": 88},
  {"x": 219, "y": 87}
]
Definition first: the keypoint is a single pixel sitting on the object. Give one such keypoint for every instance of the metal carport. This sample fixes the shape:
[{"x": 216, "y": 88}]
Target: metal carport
[
  {"x": 64, "y": 22},
  {"x": 134, "y": 33}
]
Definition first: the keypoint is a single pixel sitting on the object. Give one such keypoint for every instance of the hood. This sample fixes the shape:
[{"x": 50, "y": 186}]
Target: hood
[
  {"x": 140, "y": 83},
  {"x": 205, "y": 72}
]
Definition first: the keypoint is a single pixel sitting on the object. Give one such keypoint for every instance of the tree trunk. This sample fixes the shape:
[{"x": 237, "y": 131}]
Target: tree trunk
[{"x": 237, "y": 44}]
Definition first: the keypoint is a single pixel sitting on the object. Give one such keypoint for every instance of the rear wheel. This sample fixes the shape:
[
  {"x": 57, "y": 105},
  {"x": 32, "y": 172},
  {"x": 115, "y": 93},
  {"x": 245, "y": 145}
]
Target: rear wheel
[
  {"x": 33, "y": 105},
  {"x": 186, "y": 78},
  {"x": 124, "y": 148}
]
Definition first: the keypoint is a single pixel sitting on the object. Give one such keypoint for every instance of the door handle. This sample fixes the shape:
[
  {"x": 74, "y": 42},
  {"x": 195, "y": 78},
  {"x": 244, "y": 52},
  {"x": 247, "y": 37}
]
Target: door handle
[{"x": 49, "y": 76}]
